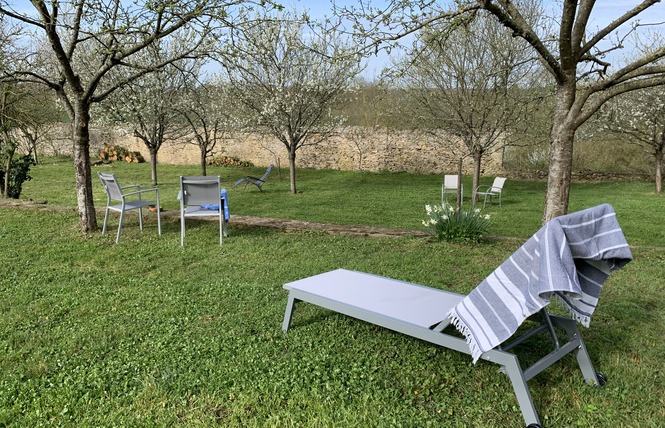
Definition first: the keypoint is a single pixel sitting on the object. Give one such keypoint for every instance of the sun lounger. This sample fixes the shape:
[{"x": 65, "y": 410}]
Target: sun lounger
[{"x": 569, "y": 259}]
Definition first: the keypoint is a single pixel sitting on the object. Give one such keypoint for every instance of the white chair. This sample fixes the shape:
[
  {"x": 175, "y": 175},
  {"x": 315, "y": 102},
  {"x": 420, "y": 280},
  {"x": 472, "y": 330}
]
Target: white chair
[
  {"x": 496, "y": 189},
  {"x": 451, "y": 184},
  {"x": 128, "y": 201},
  {"x": 200, "y": 196}
]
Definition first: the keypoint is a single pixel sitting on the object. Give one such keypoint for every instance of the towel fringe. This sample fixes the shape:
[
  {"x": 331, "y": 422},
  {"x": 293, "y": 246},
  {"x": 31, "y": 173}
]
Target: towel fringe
[
  {"x": 470, "y": 341},
  {"x": 585, "y": 320}
]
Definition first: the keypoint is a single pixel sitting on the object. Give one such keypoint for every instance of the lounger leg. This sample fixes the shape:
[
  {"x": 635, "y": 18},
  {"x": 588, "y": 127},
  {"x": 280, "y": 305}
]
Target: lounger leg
[
  {"x": 288, "y": 313},
  {"x": 583, "y": 359},
  {"x": 516, "y": 376}
]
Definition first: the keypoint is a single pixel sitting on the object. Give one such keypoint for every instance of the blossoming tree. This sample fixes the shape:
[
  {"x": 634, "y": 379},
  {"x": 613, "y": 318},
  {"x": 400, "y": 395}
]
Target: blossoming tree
[
  {"x": 287, "y": 76},
  {"x": 639, "y": 117},
  {"x": 72, "y": 46}
]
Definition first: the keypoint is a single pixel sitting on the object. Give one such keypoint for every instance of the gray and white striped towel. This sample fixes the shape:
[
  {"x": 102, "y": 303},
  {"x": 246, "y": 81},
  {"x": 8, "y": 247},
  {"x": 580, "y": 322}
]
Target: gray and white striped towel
[{"x": 570, "y": 257}]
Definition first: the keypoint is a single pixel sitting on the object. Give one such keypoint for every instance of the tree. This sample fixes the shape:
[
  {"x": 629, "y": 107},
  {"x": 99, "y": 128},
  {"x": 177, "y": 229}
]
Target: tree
[
  {"x": 15, "y": 122},
  {"x": 206, "y": 111},
  {"x": 468, "y": 80},
  {"x": 87, "y": 40},
  {"x": 576, "y": 59},
  {"x": 640, "y": 116},
  {"x": 148, "y": 103},
  {"x": 288, "y": 75}
]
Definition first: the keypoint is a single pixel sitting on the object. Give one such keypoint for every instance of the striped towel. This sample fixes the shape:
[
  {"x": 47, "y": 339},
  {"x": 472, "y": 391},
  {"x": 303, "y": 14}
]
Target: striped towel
[{"x": 570, "y": 257}]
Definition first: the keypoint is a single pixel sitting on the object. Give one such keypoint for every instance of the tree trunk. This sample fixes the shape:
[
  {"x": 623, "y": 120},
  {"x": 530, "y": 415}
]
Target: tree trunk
[
  {"x": 8, "y": 169},
  {"x": 292, "y": 168},
  {"x": 153, "y": 165},
  {"x": 204, "y": 170},
  {"x": 86, "y": 206},
  {"x": 659, "y": 169},
  {"x": 477, "y": 160},
  {"x": 562, "y": 137}
]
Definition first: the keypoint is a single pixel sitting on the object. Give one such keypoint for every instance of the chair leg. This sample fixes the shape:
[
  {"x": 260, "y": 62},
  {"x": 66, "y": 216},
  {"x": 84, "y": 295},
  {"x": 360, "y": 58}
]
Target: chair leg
[
  {"x": 106, "y": 217},
  {"x": 122, "y": 216},
  {"x": 159, "y": 213},
  {"x": 159, "y": 222},
  {"x": 182, "y": 229},
  {"x": 140, "y": 218},
  {"x": 221, "y": 224}
]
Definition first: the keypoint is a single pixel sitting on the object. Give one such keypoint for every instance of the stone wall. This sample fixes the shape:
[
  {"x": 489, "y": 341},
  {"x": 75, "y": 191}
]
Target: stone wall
[{"x": 351, "y": 149}]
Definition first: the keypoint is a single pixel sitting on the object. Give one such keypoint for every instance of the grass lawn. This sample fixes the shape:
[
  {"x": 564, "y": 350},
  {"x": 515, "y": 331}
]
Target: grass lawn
[{"x": 147, "y": 333}]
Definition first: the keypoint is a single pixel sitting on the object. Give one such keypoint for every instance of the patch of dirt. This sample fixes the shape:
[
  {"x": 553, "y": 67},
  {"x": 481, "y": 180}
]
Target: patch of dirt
[{"x": 273, "y": 223}]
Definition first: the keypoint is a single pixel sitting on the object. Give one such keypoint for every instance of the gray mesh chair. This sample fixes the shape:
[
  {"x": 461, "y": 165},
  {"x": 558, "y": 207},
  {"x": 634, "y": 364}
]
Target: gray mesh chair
[
  {"x": 128, "y": 201},
  {"x": 200, "y": 197}
]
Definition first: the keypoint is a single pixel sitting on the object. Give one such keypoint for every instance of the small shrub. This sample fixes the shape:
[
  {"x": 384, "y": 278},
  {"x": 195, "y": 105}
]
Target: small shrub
[
  {"x": 112, "y": 153},
  {"x": 447, "y": 223},
  {"x": 19, "y": 172},
  {"x": 228, "y": 161}
]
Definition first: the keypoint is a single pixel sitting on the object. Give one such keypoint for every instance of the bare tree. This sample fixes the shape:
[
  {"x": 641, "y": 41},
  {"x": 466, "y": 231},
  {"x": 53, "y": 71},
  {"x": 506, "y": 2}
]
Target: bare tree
[
  {"x": 288, "y": 75},
  {"x": 468, "y": 80},
  {"x": 88, "y": 39},
  {"x": 575, "y": 58}
]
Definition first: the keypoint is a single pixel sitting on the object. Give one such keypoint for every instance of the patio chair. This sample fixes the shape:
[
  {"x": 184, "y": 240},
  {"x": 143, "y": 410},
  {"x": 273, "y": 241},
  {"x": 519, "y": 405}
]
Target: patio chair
[
  {"x": 451, "y": 184},
  {"x": 257, "y": 181},
  {"x": 496, "y": 189},
  {"x": 128, "y": 201},
  {"x": 201, "y": 196},
  {"x": 569, "y": 259}
]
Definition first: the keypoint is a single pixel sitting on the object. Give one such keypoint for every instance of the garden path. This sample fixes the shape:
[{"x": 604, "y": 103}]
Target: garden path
[{"x": 274, "y": 223}]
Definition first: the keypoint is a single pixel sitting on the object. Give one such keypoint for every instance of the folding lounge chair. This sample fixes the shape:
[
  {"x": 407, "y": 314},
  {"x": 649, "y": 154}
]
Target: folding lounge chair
[
  {"x": 569, "y": 258},
  {"x": 257, "y": 181}
]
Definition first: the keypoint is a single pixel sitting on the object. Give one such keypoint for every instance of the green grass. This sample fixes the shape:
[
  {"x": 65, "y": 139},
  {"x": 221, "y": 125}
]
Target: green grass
[
  {"x": 146, "y": 333},
  {"x": 394, "y": 200}
]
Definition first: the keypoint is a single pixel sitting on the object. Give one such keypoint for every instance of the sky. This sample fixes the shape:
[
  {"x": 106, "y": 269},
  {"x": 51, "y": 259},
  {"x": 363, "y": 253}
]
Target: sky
[{"x": 603, "y": 13}]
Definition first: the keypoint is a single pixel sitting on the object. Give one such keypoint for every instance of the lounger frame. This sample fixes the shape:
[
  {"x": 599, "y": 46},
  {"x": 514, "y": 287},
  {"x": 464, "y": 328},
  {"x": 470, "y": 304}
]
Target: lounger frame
[{"x": 305, "y": 290}]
